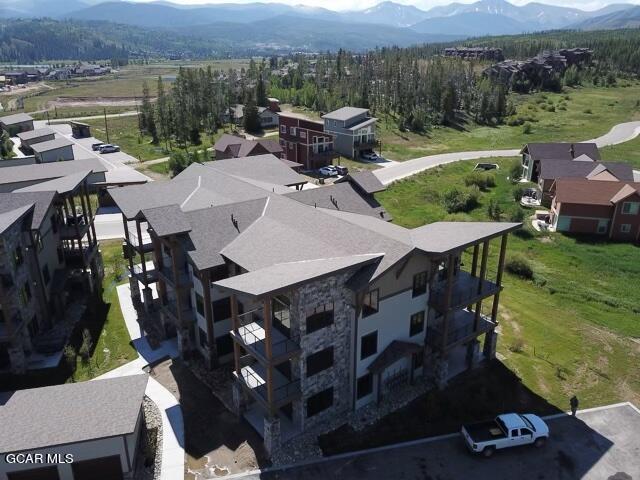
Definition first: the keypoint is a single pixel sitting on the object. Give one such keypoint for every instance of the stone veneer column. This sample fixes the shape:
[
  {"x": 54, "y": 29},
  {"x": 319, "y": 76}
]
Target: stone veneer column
[
  {"x": 148, "y": 299},
  {"x": 441, "y": 372},
  {"x": 271, "y": 434},
  {"x": 239, "y": 399},
  {"x": 490, "y": 344}
]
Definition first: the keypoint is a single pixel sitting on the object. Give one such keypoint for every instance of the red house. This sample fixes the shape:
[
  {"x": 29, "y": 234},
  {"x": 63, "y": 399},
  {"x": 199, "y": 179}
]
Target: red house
[
  {"x": 304, "y": 141},
  {"x": 597, "y": 207}
]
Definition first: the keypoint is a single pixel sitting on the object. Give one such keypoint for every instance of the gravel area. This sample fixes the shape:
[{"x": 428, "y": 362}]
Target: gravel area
[{"x": 153, "y": 423}]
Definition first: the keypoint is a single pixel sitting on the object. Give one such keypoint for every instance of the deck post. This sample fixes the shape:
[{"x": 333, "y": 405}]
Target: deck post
[
  {"x": 269, "y": 352},
  {"x": 474, "y": 263},
  {"x": 236, "y": 327},
  {"x": 205, "y": 280},
  {"x": 447, "y": 301},
  {"x": 483, "y": 274},
  {"x": 144, "y": 266},
  {"x": 496, "y": 297}
]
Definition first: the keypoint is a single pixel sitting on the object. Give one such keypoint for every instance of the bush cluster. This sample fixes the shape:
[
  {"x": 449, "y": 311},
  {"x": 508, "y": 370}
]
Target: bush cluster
[
  {"x": 518, "y": 265},
  {"x": 483, "y": 181},
  {"x": 460, "y": 200}
]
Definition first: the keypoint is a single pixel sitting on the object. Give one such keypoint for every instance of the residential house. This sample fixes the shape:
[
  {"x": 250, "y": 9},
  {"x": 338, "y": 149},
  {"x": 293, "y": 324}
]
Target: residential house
[
  {"x": 268, "y": 118},
  {"x": 607, "y": 208},
  {"x": 322, "y": 309},
  {"x": 35, "y": 136},
  {"x": 274, "y": 104},
  {"x": 85, "y": 430},
  {"x": 16, "y": 177},
  {"x": 353, "y": 131},
  {"x": 232, "y": 146},
  {"x": 80, "y": 130},
  {"x": 304, "y": 141},
  {"x": 533, "y": 153},
  {"x": 16, "y": 78},
  {"x": 59, "y": 149},
  {"x": 552, "y": 170},
  {"x": 16, "y": 123}
]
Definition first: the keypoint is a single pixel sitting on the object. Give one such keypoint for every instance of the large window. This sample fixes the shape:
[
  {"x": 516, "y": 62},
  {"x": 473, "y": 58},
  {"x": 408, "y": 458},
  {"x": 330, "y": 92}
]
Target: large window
[
  {"x": 319, "y": 361},
  {"x": 364, "y": 386},
  {"x": 625, "y": 228},
  {"x": 199, "y": 304},
  {"x": 224, "y": 345},
  {"x": 419, "y": 284},
  {"x": 630, "y": 208},
  {"x": 321, "y": 317},
  {"x": 221, "y": 309},
  {"x": 370, "y": 303},
  {"x": 368, "y": 345},
  {"x": 283, "y": 129},
  {"x": 417, "y": 323},
  {"x": 319, "y": 402}
]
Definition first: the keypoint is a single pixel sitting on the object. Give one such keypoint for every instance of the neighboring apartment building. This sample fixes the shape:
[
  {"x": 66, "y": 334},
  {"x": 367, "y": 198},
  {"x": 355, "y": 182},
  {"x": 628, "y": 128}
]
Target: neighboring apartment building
[
  {"x": 607, "y": 208},
  {"x": 353, "y": 131},
  {"x": 323, "y": 310},
  {"x": 59, "y": 149},
  {"x": 552, "y": 170},
  {"x": 16, "y": 123},
  {"x": 35, "y": 136},
  {"x": 305, "y": 141},
  {"x": 533, "y": 153}
]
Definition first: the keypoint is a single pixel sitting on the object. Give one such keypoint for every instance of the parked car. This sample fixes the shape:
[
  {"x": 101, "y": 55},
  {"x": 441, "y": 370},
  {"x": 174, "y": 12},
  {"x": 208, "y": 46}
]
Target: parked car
[
  {"x": 108, "y": 148},
  {"x": 328, "y": 171},
  {"x": 371, "y": 156},
  {"x": 96, "y": 146},
  {"x": 341, "y": 170},
  {"x": 508, "y": 430},
  {"x": 487, "y": 166}
]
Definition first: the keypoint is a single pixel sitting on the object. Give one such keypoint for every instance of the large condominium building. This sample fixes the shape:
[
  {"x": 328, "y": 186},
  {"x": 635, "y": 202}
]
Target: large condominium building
[
  {"x": 322, "y": 306},
  {"x": 305, "y": 141}
]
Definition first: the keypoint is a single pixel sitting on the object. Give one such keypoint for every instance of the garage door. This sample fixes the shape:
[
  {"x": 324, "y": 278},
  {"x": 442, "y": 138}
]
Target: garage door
[
  {"x": 44, "y": 473},
  {"x": 107, "y": 468}
]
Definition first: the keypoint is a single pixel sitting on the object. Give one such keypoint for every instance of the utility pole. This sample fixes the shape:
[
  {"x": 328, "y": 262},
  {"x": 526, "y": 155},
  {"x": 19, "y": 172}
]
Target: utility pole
[
  {"x": 48, "y": 120},
  {"x": 106, "y": 126}
]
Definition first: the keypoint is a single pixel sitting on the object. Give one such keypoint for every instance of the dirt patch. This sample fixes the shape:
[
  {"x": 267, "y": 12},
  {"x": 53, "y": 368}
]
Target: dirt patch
[
  {"x": 216, "y": 441},
  {"x": 94, "y": 102},
  {"x": 28, "y": 88}
]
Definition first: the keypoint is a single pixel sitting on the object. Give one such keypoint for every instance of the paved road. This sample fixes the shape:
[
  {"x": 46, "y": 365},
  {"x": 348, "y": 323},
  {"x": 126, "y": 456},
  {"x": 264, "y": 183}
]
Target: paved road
[
  {"x": 619, "y": 134},
  {"x": 599, "y": 444}
]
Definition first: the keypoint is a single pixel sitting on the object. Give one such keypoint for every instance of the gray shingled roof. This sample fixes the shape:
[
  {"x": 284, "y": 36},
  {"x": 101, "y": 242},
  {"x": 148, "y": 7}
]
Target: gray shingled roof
[
  {"x": 51, "y": 145},
  {"x": 366, "y": 180},
  {"x": 65, "y": 184},
  {"x": 167, "y": 220},
  {"x": 442, "y": 237},
  {"x": 15, "y": 118},
  {"x": 47, "y": 171},
  {"x": 70, "y": 413},
  {"x": 42, "y": 201},
  {"x": 363, "y": 124},
  {"x": 264, "y": 168},
  {"x": 281, "y": 276},
  {"x": 342, "y": 197},
  {"x": 551, "y": 169},
  {"x": 37, "y": 133},
  {"x": 562, "y": 151},
  {"x": 345, "y": 113},
  {"x": 10, "y": 217}
]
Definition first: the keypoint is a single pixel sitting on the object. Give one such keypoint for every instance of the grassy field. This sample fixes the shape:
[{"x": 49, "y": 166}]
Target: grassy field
[
  {"x": 578, "y": 114},
  {"x": 571, "y": 330},
  {"x": 628, "y": 152}
]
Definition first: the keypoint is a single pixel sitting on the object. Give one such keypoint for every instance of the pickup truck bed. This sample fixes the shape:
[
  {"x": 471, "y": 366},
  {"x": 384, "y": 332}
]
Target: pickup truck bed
[{"x": 484, "y": 431}]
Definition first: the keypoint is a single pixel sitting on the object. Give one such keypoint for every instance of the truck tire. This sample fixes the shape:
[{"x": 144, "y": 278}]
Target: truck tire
[
  {"x": 488, "y": 451},
  {"x": 540, "y": 442}
]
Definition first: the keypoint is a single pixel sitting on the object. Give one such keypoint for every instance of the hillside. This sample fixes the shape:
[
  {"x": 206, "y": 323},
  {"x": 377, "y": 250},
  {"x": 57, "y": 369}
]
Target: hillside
[
  {"x": 473, "y": 24},
  {"x": 629, "y": 18}
]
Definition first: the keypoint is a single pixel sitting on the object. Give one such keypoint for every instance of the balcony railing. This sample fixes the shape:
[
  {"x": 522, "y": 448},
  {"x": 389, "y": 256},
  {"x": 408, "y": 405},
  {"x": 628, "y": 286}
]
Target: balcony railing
[
  {"x": 465, "y": 290},
  {"x": 150, "y": 277},
  {"x": 79, "y": 257},
  {"x": 368, "y": 143},
  {"x": 68, "y": 231},
  {"x": 182, "y": 314},
  {"x": 461, "y": 328},
  {"x": 183, "y": 277},
  {"x": 254, "y": 377},
  {"x": 145, "y": 246},
  {"x": 251, "y": 334}
]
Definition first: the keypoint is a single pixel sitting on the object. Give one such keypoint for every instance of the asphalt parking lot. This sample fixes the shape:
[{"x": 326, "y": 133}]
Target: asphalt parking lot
[{"x": 599, "y": 444}]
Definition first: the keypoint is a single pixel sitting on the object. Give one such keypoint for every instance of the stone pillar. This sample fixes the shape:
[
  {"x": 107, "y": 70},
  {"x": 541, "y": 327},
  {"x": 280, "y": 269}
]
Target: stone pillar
[
  {"x": 239, "y": 400},
  {"x": 271, "y": 434},
  {"x": 135, "y": 289},
  {"x": 184, "y": 342},
  {"x": 472, "y": 353},
  {"x": 441, "y": 372},
  {"x": 298, "y": 414},
  {"x": 17, "y": 357},
  {"x": 490, "y": 344},
  {"x": 148, "y": 300}
]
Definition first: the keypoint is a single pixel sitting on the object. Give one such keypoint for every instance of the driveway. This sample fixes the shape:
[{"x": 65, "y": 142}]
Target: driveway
[
  {"x": 600, "y": 444},
  {"x": 618, "y": 134}
]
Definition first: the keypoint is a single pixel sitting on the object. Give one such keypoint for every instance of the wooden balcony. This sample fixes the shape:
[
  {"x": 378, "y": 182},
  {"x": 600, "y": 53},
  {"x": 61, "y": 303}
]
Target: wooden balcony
[
  {"x": 182, "y": 279},
  {"x": 461, "y": 329},
  {"x": 146, "y": 278},
  {"x": 465, "y": 290},
  {"x": 253, "y": 377}
]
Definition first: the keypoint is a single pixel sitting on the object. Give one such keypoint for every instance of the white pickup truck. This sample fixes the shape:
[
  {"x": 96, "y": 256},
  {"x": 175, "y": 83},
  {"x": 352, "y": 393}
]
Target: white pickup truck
[{"x": 508, "y": 430}]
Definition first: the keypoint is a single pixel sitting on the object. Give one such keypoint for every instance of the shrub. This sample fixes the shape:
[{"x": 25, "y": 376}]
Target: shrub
[
  {"x": 87, "y": 344},
  {"x": 517, "y": 346},
  {"x": 527, "y": 128},
  {"x": 588, "y": 111},
  {"x": 494, "y": 210},
  {"x": 515, "y": 121},
  {"x": 517, "y": 193},
  {"x": 515, "y": 172},
  {"x": 481, "y": 180},
  {"x": 551, "y": 108},
  {"x": 458, "y": 200},
  {"x": 519, "y": 266},
  {"x": 69, "y": 354},
  {"x": 517, "y": 215}
]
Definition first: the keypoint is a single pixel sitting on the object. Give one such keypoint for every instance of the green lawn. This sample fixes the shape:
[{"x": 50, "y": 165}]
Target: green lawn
[
  {"x": 578, "y": 114},
  {"x": 577, "y": 318},
  {"x": 628, "y": 152}
]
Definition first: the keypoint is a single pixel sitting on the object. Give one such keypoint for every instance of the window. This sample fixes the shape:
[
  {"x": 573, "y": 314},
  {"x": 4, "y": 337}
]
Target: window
[
  {"x": 419, "y": 284},
  {"x": 364, "y": 386},
  {"x": 319, "y": 402},
  {"x": 45, "y": 274},
  {"x": 224, "y": 345},
  {"x": 368, "y": 345},
  {"x": 603, "y": 226},
  {"x": 292, "y": 131},
  {"x": 319, "y": 361},
  {"x": 25, "y": 294},
  {"x": 222, "y": 309},
  {"x": 290, "y": 145},
  {"x": 321, "y": 317},
  {"x": 370, "y": 303},
  {"x": 283, "y": 129},
  {"x": 625, "y": 228},
  {"x": 199, "y": 304},
  {"x": 17, "y": 256},
  {"x": 39, "y": 242},
  {"x": 416, "y": 325},
  {"x": 303, "y": 134},
  {"x": 630, "y": 208},
  {"x": 283, "y": 143},
  {"x": 202, "y": 336},
  {"x": 525, "y": 431}
]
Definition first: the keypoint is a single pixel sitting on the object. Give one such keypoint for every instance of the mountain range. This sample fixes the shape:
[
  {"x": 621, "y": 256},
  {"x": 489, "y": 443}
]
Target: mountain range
[{"x": 314, "y": 28}]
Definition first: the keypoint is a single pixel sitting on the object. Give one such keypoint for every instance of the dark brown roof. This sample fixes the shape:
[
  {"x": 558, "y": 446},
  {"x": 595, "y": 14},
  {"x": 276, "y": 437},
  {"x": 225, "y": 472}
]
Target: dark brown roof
[
  {"x": 394, "y": 352},
  {"x": 561, "y": 151},
  {"x": 241, "y": 147},
  {"x": 552, "y": 169},
  {"x": 592, "y": 192}
]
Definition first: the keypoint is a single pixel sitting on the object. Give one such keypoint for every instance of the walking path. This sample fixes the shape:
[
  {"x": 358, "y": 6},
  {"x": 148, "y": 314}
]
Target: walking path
[
  {"x": 171, "y": 413},
  {"x": 618, "y": 134}
]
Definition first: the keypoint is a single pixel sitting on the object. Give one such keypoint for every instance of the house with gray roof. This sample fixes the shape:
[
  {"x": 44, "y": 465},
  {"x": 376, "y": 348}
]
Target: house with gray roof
[
  {"x": 353, "y": 131},
  {"x": 31, "y": 137},
  {"x": 16, "y": 123},
  {"x": 321, "y": 304},
  {"x": 56, "y": 150},
  {"x": 233, "y": 146},
  {"x": 81, "y": 430},
  {"x": 533, "y": 153}
]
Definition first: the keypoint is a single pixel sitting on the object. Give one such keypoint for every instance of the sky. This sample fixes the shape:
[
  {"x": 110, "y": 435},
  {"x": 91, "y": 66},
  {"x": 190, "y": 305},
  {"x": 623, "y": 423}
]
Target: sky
[{"x": 423, "y": 4}]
